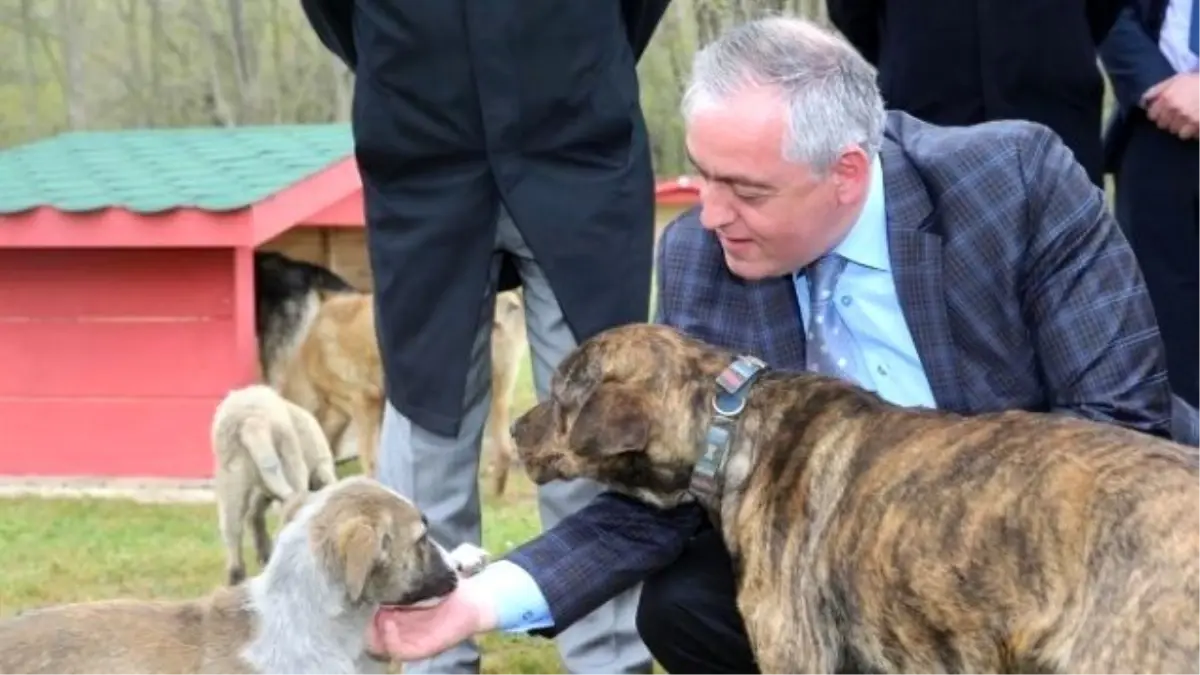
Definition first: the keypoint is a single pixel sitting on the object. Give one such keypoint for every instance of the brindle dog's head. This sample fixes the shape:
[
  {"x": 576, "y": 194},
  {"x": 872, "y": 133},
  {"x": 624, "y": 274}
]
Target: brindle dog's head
[
  {"x": 376, "y": 544},
  {"x": 628, "y": 408}
]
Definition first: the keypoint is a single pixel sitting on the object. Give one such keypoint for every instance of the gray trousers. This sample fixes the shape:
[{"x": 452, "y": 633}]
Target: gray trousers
[{"x": 440, "y": 475}]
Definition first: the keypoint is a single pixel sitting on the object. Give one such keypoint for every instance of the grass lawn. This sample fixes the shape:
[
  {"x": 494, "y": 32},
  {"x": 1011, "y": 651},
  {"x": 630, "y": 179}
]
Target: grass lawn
[{"x": 62, "y": 550}]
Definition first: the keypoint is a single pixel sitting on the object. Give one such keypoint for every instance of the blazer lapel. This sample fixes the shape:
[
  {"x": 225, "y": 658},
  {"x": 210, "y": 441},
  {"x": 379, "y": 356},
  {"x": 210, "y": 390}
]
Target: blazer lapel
[
  {"x": 782, "y": 340},
  {"x": 916, "y": 254}
]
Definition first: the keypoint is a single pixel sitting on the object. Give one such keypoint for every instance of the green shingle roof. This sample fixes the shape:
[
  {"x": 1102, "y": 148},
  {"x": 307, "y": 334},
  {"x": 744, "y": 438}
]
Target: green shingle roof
[{"x": 153, "y": 170}]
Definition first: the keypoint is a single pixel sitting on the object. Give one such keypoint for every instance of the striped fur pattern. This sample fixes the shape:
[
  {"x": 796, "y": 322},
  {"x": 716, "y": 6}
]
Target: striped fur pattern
[{"x": 868, "y": 537}]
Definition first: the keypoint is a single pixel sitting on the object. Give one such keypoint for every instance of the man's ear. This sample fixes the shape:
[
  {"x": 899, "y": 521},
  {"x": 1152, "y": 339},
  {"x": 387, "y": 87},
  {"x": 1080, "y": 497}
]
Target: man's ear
[
  {"x": 612, "y": 421},
  {"x": 357, "y": 551}
]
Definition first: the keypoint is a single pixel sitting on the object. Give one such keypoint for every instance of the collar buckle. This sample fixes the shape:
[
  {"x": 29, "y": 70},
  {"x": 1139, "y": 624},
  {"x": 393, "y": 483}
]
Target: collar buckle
[{"x": 730, "y": 400}]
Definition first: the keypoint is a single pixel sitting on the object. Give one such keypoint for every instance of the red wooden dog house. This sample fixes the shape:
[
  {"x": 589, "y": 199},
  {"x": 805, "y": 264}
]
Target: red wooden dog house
[{"x": 126, "y": 284}]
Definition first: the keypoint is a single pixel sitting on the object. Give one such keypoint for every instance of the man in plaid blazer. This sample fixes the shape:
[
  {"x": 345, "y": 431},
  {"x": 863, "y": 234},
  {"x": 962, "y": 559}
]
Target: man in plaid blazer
[{"x": 984, "y": 273}]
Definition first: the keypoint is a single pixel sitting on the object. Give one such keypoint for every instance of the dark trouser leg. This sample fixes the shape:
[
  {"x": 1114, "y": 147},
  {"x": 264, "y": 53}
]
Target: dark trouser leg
[
  {"x": 688, "y": 615},
  {"x": 1158, "y": 207}
]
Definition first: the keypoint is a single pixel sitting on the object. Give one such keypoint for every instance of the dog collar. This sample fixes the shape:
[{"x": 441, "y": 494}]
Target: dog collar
[{"x": 730, "y": 400}]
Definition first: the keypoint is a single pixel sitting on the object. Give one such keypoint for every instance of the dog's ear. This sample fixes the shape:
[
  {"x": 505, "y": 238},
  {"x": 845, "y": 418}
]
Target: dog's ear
[
  {"x": 358, "y": 552},
  {"x": 612, "y": 421}
]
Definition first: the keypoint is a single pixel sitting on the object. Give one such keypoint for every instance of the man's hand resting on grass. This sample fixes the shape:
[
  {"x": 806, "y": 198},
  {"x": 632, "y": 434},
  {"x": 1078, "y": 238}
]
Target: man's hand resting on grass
[{"x": 419, "y": 633}]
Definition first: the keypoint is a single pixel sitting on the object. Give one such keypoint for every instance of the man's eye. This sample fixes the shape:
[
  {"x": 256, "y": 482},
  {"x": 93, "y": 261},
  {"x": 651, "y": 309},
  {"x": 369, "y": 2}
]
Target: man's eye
[{"x": 751, "y": 198}]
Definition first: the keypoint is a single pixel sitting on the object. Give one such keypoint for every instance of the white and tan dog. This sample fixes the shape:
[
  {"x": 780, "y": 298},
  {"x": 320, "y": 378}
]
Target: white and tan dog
[
  {"x": 343, "y": 552},
  {"x": 265, "y": 449}
]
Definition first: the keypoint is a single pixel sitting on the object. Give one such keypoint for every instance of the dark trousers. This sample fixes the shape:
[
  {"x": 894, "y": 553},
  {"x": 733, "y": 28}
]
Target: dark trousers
[
  {"x": 688, "y": 616},
  {"x": 1158, "y": 205}
]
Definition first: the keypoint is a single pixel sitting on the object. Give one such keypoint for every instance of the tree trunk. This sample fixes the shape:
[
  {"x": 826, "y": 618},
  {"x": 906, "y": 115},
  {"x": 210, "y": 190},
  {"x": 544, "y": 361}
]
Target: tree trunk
[{"x": 70, "y": 19}]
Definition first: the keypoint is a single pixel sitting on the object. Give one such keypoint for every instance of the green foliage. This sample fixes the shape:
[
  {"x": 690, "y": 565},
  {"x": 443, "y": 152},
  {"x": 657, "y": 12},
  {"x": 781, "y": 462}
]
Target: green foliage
[{"x": 72, "y": 64}]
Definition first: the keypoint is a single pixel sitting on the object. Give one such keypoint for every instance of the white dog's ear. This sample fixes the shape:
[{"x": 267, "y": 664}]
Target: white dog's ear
[{"x": 358, "y": 552}]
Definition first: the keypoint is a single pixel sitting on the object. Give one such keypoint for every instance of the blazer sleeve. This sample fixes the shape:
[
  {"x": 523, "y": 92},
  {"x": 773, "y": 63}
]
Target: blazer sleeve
[
  {"x": 859, "y": 21},
  {"x": 1084, "y": 298},
  {"x": 332, "y": 21},
  {"x": 611, "y": 544},
  {"x": 1101, "y": 15},
  {"x": 1132, "y": 59},
  {"x": 606, "y": 547},
  {"x": 641, "y": 19}
]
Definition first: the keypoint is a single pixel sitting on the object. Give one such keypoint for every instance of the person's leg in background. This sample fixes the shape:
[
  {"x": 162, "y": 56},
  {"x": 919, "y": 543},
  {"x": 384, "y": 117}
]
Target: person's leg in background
[
  {"x": 605, "y": 641},
  {"x": 441, "y": 474},
  {"x": 1158, "y": 205}
]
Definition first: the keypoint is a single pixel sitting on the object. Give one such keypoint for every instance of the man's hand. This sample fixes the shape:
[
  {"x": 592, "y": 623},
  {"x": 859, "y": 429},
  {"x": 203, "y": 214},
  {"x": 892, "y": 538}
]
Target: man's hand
[
  {"x": 1174, "y": 105},
  {"x": 410, "y": 634}
]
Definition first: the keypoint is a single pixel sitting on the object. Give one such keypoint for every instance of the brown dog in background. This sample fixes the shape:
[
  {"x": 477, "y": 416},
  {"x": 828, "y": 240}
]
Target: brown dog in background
[
  {"x": 336, "y": 374},
  {"x": 509, "y": 344},
  {"x": 869, "y": 537},
  {"x": 342, "y": 553}
]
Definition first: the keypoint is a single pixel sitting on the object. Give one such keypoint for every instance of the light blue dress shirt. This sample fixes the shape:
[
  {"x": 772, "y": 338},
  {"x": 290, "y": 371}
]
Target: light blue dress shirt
[
  {"x": 519, "y": 603},
  {"x": 1177, "y": 36},
  {"x": 867, "y": 301}
]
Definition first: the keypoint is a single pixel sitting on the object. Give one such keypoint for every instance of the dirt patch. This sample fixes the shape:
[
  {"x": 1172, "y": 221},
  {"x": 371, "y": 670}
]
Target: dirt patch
[{"x": 149, "y": 491}]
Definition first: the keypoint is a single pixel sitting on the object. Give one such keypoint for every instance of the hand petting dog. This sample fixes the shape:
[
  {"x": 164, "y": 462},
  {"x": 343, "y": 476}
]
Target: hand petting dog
[{"x": 420, "y": 632}]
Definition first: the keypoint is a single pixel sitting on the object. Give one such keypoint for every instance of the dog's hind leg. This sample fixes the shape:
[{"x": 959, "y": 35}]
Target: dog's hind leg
[
  {"x": 367, "y": 418},
  {"x": 506, "y": 356},
  {"x": 232, "y": 503},
  {"x": 499, "y": 443},
  {"x": 258, "y": 525}
]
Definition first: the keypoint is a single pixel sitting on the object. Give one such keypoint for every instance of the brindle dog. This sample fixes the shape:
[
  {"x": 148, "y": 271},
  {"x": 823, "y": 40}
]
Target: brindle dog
[{"x": 868, "y": 537}]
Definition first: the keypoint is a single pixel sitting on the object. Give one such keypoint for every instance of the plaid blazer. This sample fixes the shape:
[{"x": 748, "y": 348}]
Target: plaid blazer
[{"x": 1018, "y": 287}]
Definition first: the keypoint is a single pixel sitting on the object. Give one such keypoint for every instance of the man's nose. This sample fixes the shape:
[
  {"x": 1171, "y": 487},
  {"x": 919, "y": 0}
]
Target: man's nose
[
  {"x": 714, "y": 217},
  {"x": 714, "y": 208}
]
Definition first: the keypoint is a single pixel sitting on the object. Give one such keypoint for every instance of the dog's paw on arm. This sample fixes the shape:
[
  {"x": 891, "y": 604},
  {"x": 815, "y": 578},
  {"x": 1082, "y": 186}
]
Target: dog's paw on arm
[{"x": 469, "y": 559}]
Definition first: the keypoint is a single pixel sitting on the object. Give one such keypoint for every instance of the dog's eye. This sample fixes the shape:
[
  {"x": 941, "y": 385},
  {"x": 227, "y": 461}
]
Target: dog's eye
[{"x": 385, "y": 542}]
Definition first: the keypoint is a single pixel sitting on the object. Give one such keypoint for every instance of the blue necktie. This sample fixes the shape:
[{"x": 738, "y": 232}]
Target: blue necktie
[
  {"x": 829, "y": 345},
  {"x": 1194, "y": 29}
]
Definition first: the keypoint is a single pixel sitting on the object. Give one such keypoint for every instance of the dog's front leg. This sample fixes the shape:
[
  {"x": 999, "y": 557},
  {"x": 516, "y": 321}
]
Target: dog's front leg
[
  {"x": 786, "y": 638},
  {"x": 469, "y": 560}
]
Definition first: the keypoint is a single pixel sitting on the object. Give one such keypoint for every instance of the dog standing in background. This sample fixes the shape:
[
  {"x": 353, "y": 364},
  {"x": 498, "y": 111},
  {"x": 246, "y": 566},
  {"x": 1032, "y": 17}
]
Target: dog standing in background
[
  {"x": 342, "y": 553},
  {"x": 265, "y": 449},
  {"x": 287, "y": 294},
  {"x": 509, "y": 343},
  {"x": 326, "y": 359},
  {"x": 869, "y": 537},
  {"x": 336, "y": 374}
]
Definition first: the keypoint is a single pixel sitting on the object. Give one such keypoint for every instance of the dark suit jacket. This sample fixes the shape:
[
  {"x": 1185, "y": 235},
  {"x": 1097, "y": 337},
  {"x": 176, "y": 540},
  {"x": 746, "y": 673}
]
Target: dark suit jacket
[
  {"x": 1134, "y": 63},
  {"x": 460, "y": 106},
  {"x": 972, "y": 61},
  {"x": 1018, "y": 288}
]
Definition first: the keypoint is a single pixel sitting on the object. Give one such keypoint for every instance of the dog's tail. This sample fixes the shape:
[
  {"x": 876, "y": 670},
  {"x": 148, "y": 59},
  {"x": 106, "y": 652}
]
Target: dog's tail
[{"x": 278, "y": 469}]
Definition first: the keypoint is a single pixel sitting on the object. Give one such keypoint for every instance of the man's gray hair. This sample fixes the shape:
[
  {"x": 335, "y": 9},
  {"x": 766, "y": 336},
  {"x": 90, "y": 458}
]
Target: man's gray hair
[{"x": 829, "y": 90}]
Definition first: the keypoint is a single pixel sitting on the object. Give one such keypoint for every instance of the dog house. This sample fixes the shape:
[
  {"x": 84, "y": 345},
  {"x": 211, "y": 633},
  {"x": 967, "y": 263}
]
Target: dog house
[{"x": 126, "y": 284}]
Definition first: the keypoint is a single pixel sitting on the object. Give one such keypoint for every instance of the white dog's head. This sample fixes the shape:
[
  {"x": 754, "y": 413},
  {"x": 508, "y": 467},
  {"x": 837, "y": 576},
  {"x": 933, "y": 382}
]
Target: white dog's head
[{"x": 375, "y": 544}]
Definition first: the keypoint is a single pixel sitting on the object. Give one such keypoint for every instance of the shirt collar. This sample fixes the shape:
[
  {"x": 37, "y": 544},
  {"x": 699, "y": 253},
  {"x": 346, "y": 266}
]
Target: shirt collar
[{"x": 866, "y": 243}]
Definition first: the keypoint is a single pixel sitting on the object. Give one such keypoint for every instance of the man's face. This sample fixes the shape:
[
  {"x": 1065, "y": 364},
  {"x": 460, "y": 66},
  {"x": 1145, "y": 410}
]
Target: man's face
[{"x": 771, "y": 216}]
